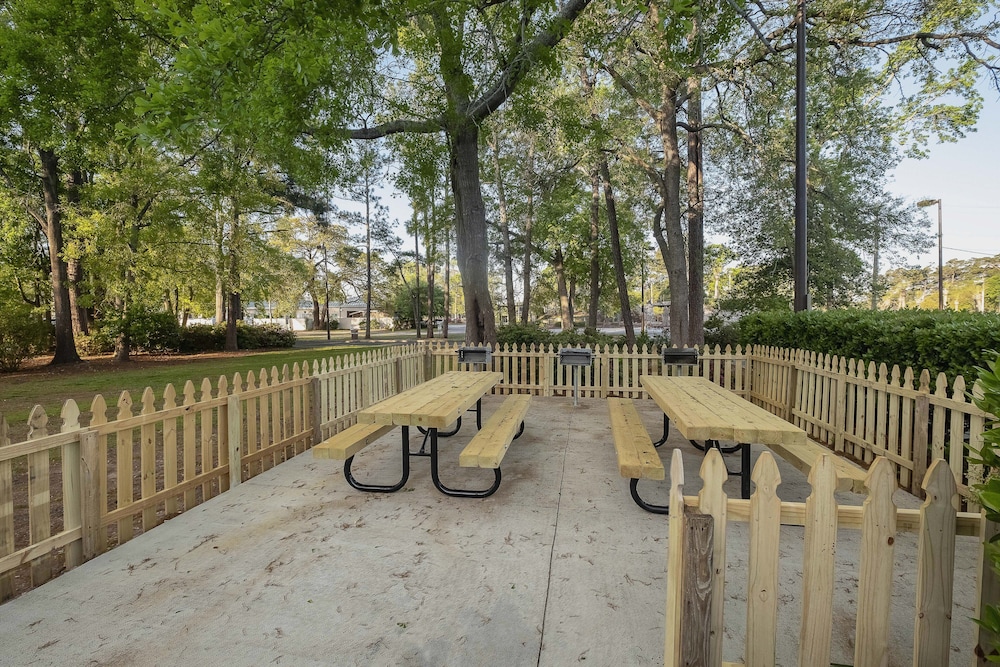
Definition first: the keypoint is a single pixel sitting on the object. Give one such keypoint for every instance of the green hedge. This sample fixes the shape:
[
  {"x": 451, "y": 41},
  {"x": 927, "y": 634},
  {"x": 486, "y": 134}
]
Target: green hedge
[
  {"x": 533, "y": 333},
  {"x": 160, "y": 333},
  {"x": 23, "y": 334},
  {"x": 209, "y": 338},
  {"x": 949, "y": 342}
]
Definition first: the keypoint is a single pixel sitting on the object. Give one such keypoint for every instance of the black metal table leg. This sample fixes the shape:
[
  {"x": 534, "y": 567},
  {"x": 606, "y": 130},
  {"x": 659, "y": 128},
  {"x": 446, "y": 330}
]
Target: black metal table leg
[
  {"x": 649, "y": 507},
  {"x": 666, "y": 431},
  {"x": 361, "y": 486},
  {"x": 458, "y": 493},
  {"x": 745, "y": 470}
]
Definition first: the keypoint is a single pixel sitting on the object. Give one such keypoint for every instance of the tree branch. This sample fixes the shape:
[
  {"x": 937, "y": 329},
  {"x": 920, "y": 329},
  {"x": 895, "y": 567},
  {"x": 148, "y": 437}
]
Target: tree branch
[
  {"x": 522, "y": 61},
  {"x": 396, "y": 127}
]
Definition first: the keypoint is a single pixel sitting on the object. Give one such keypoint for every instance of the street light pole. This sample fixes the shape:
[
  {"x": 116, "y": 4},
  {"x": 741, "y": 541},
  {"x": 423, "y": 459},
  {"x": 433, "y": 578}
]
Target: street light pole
[{"x": 930, "y": 202}]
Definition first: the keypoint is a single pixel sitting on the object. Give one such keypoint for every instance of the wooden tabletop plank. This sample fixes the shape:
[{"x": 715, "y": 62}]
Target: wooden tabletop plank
[
  {"x": 437, "y": 403},
  {"x": 702, "y": 410}
]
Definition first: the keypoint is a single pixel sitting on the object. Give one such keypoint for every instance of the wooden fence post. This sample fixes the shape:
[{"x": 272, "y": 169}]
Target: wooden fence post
[
  {"x": 791, "y": 391},
  {"x": 90, "y": 493},
  {"x": 697, "y": 584},
  {"x": 316, "y": 411},
  {"x": 235, "y": 427}
]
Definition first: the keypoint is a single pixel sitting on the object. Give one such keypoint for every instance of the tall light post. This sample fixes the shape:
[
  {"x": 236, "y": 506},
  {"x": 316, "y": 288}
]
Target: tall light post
[{"x": 923, "y": 203}]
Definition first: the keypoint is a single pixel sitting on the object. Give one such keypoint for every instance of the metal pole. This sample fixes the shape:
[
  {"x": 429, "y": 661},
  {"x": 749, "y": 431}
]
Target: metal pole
[
  {"x": 940, "y": 261},
  {"x": 800, "y": 260},
  {"x": 326, "y": 282}
]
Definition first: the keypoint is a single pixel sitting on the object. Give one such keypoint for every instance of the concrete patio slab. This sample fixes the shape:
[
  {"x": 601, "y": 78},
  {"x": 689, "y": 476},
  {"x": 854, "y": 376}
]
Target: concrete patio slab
[{"x": 294, "y": 567}]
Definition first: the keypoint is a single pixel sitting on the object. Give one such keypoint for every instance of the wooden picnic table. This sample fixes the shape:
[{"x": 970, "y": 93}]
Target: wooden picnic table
[
  {"x": 435, "y": 404},
  {"x": 432, "y": 406},
  {"x": 704, "y": 411}
]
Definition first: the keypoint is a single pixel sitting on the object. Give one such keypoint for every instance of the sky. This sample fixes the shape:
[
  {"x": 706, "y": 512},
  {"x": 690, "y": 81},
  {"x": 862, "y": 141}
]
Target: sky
[{"x": 965, "y": 176}]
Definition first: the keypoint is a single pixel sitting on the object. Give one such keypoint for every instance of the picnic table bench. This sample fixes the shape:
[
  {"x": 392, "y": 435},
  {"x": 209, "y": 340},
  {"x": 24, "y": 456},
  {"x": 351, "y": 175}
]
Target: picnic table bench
[
  {"x": 431, "y": 406},
  {"x": 704, "y": 411}
]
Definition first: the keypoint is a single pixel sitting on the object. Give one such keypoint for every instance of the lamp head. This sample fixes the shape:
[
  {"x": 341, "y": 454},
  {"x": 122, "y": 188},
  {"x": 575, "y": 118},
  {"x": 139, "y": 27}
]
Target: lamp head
[{"x": 928, "y": 202}]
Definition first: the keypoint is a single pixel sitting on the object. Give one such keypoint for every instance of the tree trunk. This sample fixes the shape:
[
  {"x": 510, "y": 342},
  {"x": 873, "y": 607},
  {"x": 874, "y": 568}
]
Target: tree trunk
[
  {"x": 616, "y": 255},
  {"x": 65, "y": 342},
  {"x": 74, "y": 267},
  {"x": 529, "y": 225},
  {"x": 595, "y": 248},
  {"x": 508, "y": 260},
  {"x": 429, "y": 251},
  {"x": 234, "y": 281},
  {"x": 447, "y": 282},
  {"x": 674, "y": 258},
  {"x": 696, "y": 219},
  {"x": 470, "y": 234},
  {"x": 571, "y": 302},
  {"x": 565, "y": 319},
  {"x": 232, "y": 344},
  {"x": 416, "y": 259}
]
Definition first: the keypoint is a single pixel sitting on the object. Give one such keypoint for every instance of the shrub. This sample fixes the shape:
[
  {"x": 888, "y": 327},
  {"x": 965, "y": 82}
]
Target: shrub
[
  {"x": 517, "y": 334},
  {"x": 258, "y": 336},
  {"x": 202, "y": 338},
  {"x": 721, "y": 333},
  {"x": 988, "y": 492},
  {"x": 23, "y": 334},
  {"x": 950, "y": 342}
]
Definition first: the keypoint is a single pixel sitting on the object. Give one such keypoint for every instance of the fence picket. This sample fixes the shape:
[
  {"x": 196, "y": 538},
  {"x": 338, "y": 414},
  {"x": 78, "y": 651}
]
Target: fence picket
[
  {"x": 875, "y": 576},
  {"x": 762, "y": 582},
  {"x": 124, "y": 473},
  {"x": 98, "y": 418},
  {"x": 935, "y": 568},
  {"x": 820, "y": 541},
  {"x": 170, "y": 450},
  {"x": 190, "y": 441},
  {"x": 147, "y": 460},
  {"x": 712, "y": 500}
]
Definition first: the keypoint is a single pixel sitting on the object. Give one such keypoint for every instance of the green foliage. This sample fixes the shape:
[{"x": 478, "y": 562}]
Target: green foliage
[
  {"x": 23, "y": 334},
  {"x": 264, "y": 336},
  {"x": 202, "y": 338},
  {"x": 720, "y": 332},
  {"x": 209, "y": 338},
  {"x": 533, "y": 333},
  {"x": 949, "y": 342},
  {"x": 523, "y": 334},
  {"x": 989, "y": 491}
]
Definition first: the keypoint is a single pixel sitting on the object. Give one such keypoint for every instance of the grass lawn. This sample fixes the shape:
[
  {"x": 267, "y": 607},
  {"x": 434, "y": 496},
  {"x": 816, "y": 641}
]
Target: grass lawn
[{"x": 51, "y": 386}]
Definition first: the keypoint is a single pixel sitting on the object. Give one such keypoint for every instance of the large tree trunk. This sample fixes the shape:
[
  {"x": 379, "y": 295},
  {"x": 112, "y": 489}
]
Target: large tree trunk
[
  {"x": 65, "y": 342},
  {"x": 508, "y": 260},
  {"x": 595, "y": 249},
  {"x": 616, "y": 255},
  {"x": 470, "y": 233},
  {"x": 695, "y": 219},
  {"x": 74, "y": 267},
  {"x": 675, "y": 258},
  {"x": 565, "y": 317}
]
